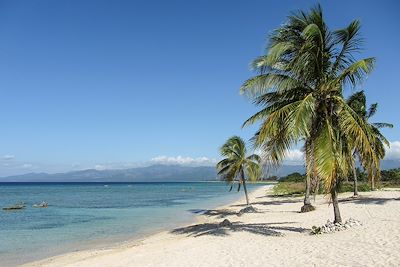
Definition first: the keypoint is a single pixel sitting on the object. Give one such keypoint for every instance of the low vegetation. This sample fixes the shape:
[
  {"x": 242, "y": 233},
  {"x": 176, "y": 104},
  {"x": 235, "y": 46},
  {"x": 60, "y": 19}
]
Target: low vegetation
[
  {"x": 294, "y": 183},
  {"x": 289, "y": 189}
]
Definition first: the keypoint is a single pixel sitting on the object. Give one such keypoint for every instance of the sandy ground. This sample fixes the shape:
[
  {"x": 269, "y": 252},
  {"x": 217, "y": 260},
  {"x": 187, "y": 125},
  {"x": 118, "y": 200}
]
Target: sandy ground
[{"x": 277, "y": 235}]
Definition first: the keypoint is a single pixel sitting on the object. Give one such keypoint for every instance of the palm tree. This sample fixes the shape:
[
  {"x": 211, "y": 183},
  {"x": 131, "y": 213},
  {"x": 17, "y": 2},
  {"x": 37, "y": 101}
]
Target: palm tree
[
  {"x": 358, "y": 103},
  {"x": 236, "y": 166},
  {"x": 300, "y": 89}
]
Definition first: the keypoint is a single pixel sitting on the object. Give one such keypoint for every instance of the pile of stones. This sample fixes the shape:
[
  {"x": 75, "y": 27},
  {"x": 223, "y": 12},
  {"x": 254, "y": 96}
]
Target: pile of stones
[
  {"x": 249, "y": 209},
  {"x": 225, "y": 223},
  {"x": 331, "y": 227}
]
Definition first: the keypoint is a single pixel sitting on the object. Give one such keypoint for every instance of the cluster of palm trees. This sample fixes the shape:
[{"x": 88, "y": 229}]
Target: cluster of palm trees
[
  {"x": 357, "y": 102},
  {"x": 299, "y": 87}
]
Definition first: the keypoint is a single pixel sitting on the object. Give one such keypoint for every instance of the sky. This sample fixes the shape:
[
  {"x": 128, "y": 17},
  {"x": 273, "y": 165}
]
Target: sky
[{"x": 117, "y": 84}]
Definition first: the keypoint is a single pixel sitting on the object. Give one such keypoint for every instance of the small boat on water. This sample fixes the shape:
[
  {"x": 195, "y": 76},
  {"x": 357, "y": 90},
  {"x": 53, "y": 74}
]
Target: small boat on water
[
  {"x": 41, "y": 205},
  {"x": 18, "y": 206}
]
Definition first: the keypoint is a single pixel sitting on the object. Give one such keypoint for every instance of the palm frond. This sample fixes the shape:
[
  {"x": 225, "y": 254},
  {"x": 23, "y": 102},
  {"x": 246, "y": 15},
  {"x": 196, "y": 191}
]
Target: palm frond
[
  {"x": 382, "y": 125},
  {"x": 356, "y": 72},
  {"x": 351, "y": 42},
  {"x": 372, "y": 110},
  {"x": 326, "y": 156}
]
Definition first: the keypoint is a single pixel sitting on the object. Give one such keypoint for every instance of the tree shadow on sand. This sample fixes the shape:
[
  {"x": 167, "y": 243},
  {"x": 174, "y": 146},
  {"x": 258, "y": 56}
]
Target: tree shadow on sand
[
  {"x": 220, "y": 213},
  {"x": 271, "y": 202},
  {"x": 214, "y": 229},
  {"x": 369, "y": 200}
]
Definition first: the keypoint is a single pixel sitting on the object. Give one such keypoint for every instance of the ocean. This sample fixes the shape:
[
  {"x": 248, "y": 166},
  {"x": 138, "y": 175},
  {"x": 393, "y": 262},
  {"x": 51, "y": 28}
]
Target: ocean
[{"x": 87, "y": 215}]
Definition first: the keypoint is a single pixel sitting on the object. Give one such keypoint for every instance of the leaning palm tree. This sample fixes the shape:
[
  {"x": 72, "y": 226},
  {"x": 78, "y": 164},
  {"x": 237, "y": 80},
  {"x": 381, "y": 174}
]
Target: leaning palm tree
[
  {"x": 300, "y": 90},
  {"x": 357, "y": 102},
  {"x": 236, "y": 166}
]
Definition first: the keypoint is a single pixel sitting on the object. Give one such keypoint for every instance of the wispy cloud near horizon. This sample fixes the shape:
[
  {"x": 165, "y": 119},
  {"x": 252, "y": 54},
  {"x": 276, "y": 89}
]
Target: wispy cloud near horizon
[
  {"x": 393, "y": 152},
  {"x": 294, "y": 157},
  {"x": 9, "y": 165},
  {"x": 8, "y": 157},
  {"x": 180, "y": 160}
]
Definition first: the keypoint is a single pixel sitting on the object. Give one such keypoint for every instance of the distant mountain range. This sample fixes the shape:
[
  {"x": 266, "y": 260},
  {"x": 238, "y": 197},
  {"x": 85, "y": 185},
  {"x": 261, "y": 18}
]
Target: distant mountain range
[{"x": 153, "y": 173}]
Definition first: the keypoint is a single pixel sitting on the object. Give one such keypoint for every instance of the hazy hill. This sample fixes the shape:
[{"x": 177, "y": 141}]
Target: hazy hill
[{"x": 153, "y": 173}]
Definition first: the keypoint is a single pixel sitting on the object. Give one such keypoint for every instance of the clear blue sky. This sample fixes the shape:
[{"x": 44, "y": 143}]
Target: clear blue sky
[{"x": 86, "y": 83}]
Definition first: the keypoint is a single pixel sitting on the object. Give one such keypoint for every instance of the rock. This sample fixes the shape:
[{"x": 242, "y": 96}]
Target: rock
[
  {"x": 225, "y": 223},
  {"x": 249, "y": 209},
  {"x": 331, "y": 227},
  {"x": 307, "y": 208}
]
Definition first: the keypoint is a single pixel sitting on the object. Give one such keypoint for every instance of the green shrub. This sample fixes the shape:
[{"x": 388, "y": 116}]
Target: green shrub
[
  {"x": 392, "y": 175},
  {"x": 271, "y": 178},
  {"x": 348, "y": 187},
  {"x": 288, "y": 188},
  {"x": 389, "y": 184},
  {"x": 293, "y": 177}
]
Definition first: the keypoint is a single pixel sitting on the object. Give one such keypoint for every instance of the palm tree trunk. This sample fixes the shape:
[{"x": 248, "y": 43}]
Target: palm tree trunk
[
  {"x": 372, "y": 179},
  {"x": 355, "y": 187},
  {"x": 336, "y": 211},
  {"x": 316, "y": 191},
  {"x": 307, "y": 199},
  {"x": 245, "y": 188},
  {"x": 310, "y": 168}
]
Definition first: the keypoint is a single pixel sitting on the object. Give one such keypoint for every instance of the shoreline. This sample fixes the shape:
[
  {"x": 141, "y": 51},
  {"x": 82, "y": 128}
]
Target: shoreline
[
  {"x": 276, "y": 234},
  {"x": 109, "y": 244}
]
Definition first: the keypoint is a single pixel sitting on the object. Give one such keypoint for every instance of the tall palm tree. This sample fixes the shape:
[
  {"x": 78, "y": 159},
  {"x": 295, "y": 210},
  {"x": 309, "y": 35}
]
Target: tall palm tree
[
  {"x": 358, "y": 103},
  {"x": 300, "y": 89},
  {"x": 236, "y": 166}
]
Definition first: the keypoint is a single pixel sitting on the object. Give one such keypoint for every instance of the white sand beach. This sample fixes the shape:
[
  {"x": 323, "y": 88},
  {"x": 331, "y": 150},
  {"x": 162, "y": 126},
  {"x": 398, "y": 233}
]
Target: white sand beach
[{"x": 277, "y": 235}]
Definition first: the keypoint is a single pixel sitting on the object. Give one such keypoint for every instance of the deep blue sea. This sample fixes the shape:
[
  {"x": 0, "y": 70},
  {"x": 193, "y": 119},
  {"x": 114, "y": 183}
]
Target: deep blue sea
[{"x": 83, "y": 215}]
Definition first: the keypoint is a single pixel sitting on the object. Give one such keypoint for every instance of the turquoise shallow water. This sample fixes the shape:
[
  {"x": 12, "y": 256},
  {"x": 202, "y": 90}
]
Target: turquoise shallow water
[{"x": 82, "y": 215}]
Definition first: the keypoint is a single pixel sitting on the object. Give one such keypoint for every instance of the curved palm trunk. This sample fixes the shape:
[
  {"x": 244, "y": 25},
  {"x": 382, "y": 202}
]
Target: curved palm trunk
[
  {"x": 335, "y": 201},
  {"x": 355, "y": 187},
  {"x": 245, "y": 188}
]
